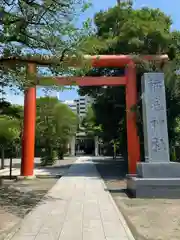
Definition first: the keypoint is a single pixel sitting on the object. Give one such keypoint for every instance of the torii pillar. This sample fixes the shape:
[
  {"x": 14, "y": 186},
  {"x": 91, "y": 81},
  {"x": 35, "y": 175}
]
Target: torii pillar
[
  {"x": 133, "y": 141},
  {"x": 28, "y": 136}
]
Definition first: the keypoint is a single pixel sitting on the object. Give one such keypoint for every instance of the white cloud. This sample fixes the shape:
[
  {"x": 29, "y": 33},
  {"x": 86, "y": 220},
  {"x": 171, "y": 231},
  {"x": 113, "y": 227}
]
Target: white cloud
[{"x": 16, "y": 99}]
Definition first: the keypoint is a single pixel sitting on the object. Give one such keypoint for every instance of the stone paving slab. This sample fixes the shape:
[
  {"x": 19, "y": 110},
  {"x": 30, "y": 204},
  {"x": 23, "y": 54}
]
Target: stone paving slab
[{"x": 76, "y": 208}]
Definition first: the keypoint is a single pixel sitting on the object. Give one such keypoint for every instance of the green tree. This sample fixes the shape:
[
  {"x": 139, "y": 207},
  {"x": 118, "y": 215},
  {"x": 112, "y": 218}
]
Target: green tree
[
  {"x": 66, "y": 126},
  {"x": 32, "y": 27},
  {"x": 15, "y": 111},
  {"x": 89, "y": 123},
  {"x": 9, "y": 135},
  {"x": 56, "y": 123},
  {"x": 46, "y": 129},
  {"x": 127, "y": 30}
]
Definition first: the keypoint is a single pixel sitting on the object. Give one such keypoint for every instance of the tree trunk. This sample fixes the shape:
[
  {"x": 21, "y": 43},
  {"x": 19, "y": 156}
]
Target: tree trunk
[
  {"x": 114, "y": 152},
  {"x": 10, "y": 169},
  {"x": 2, "y": 157}
]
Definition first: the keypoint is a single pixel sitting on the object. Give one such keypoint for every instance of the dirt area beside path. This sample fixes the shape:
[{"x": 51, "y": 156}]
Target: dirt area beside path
[
  {"x": 18, "y": 198},
  {"x": 149, "y": 219}
]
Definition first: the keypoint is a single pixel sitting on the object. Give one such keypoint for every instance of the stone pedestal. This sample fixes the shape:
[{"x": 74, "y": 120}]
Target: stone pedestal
[
  {"x": 158, "y": 170},
  {"x": 157, "y": 177},
  {"x": 154, "y": 187}
]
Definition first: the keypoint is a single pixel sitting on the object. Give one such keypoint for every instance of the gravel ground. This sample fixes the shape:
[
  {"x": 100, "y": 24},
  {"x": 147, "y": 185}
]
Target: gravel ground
[
  {"x": 149, "y": 219},
  {"x": 17, "y": 198}
]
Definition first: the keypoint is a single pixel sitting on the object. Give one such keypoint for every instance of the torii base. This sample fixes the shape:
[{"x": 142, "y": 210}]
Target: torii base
[{"x": 155, "y": 180}]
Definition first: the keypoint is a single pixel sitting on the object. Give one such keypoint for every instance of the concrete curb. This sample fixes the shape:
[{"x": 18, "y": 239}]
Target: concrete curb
[
  {"x": 46, "y": 176},
  {"x": 13, "y": 230},
  {"x": 120, "y": 215},
  {"x": 133, "y": 229},
  {"x": 122, "y": 219},
  {"x": 5, "y": 170}
]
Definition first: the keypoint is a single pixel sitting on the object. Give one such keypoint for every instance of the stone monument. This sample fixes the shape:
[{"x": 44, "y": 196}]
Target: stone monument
[{"x": 157, "y": 176}]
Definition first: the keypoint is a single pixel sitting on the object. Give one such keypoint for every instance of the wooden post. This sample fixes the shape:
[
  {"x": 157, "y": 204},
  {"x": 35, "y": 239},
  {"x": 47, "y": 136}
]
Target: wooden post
[
  {"x": 133, "y": 143},
  {"x": 28, "y": 141}
]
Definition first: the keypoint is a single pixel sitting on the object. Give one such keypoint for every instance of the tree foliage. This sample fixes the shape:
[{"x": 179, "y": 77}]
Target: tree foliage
[
  {"x": 14, "y": 111},
  {"x": 9, "y": 135},
  {"x": 55, "y": 124},
  {"x": 9, "y": 129},
  {"x": 32, "y": 27},
  {"x": 89, "y": 123},
  {"x": 126, "y": 30},
  {"x": 39, "y": 25}
]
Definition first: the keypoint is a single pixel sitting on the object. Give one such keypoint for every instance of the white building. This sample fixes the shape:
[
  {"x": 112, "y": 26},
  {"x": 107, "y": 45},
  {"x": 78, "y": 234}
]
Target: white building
[
  {"x": 72, "y": 104},
  {"x": 82, "y": 105}
]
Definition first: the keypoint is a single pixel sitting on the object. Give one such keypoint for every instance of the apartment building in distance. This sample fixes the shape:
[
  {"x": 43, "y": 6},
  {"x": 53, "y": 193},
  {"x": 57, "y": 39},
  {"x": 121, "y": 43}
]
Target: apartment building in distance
[
  {"x": 82, "y": 105},
  {"x": 72, "y": 105},
  {"x": 79, "y": 105}
]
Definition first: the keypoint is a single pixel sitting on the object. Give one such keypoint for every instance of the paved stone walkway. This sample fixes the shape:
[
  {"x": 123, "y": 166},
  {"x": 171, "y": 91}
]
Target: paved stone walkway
[{"x": 76, "y": 208}]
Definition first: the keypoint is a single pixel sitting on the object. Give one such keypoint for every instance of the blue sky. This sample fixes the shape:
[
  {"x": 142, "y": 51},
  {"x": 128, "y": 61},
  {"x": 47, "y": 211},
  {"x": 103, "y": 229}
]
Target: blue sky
[{"x": 171, "y": 8}]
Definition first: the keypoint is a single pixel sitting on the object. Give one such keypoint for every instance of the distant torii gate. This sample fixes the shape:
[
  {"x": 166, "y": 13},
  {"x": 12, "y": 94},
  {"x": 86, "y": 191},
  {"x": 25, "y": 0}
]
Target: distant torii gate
[{"x": 129, "y": 81}]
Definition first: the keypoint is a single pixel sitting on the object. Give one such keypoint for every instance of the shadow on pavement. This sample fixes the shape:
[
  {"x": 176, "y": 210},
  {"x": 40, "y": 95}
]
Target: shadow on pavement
[
  {"x": 111, "y": 169},
  {"x": 113, "y": 172}
]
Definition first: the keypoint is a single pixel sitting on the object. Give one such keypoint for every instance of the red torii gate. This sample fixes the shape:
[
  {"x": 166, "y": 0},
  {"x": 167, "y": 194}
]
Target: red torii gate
[{"x": 129, "y": 81}]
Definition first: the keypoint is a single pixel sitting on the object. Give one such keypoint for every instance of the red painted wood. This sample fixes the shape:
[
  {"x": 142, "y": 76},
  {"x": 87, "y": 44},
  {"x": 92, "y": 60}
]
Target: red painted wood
[
  {"x": 133, "y": 143},
  {"x": 122, "y": 60},
  {"x": 28, "y": 141},
  {"x": 91, "y": 81}
]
